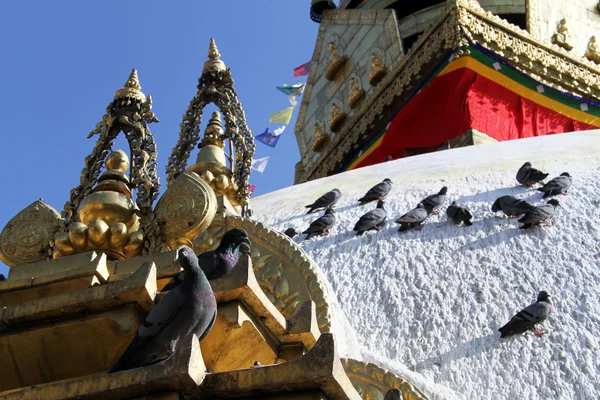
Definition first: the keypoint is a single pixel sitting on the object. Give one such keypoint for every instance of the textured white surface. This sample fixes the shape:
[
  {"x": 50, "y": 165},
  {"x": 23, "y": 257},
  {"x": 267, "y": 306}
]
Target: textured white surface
[{"x": 433, "y": 300}]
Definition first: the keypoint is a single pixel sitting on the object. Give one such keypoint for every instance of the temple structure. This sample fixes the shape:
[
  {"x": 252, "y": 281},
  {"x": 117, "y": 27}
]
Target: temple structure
[
  {"x": 82, "y": 281},
  {"x": 392, "y": 78}
]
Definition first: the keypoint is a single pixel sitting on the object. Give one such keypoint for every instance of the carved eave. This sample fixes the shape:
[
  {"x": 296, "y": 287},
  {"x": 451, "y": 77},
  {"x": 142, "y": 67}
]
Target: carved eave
[{"x": 463, "y": 24}]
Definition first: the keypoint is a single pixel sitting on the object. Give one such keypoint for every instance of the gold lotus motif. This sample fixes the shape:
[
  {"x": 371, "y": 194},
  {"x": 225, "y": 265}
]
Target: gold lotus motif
[{"x": 27, "y": 236}]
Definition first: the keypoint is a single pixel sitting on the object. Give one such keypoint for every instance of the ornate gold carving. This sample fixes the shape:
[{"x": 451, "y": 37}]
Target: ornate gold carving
[
  {"x": 378, "y": 70},
  {"x": 130, "y": 112},
  {"x": 463, "y": 23},
  {"x": 593, "y": 52},
  {"x": 356, "y": 93},
  {"x": 185, "y": 210},
  {"x": 336, "y": 119},
  {"x": 216, "y": 86},
  {"x": 321, "y": 138},
  {"x": 284, "y": 271},
  {"x": 373, "y": 382},
  {"x": 28, "y": 235},
  {"x": 107, "y": 217},
  {"x": 336, "y": 63},
  {"x": 562, "y": 37}
]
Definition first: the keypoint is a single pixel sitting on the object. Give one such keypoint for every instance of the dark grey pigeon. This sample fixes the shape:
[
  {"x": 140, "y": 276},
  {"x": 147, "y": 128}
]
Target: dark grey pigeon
[
  {"x": 511, "y": 206},
  {"x": 290, "y": 232},
  {"x": 459, "y": 214},
  {"x": 326, "y": 201},
  {"x": 435, "y": 201},
  {"x": 244, "y": 248},
  {"x": 2, "y": 277},
  {"x": 372, "y": 220},
  {"x": 218, "y": 263},
  {"x": 393, "y": 394},
  {"x": 321, "y": 225},
  {"x": 528, "y": 176},
  {"x": 528, "y": 317},
  {"x": 558, "y": 185},
  {"x": 377, "y": 192},
  {"x": 413, "y": 219},
  {"x": 539, "y": 215},
  {"x": 188, "y": 309}
]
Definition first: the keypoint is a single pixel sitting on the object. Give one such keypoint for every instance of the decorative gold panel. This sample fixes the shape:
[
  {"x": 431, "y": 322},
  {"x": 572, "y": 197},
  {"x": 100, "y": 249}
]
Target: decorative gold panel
[
  {"x": 26, "y": 238},
  {"x": 373, "y": 382},
  {"x": 185, "y": 210},
  {"x": 285, "y": 273}
]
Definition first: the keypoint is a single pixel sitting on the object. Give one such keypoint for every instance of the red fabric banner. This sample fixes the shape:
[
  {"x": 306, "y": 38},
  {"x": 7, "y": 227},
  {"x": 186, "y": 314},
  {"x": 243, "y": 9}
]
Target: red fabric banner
[{"x": 461, "y": 100}]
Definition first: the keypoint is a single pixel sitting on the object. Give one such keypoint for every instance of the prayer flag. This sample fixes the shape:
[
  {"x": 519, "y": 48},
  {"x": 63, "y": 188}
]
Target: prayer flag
[
  {"x": 302, "y": 70},
  {"x": 268, "y": 138},
  {"x": 259, "y": 164},
  {"x": 251, "y": 189},
  {"x": 292, "y": 91},
  {"x": 283, "y": 116}
]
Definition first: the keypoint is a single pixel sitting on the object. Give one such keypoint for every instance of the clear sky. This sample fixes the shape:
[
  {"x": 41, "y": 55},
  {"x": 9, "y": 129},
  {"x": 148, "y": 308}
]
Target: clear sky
[{"x": 62, "y": 62}]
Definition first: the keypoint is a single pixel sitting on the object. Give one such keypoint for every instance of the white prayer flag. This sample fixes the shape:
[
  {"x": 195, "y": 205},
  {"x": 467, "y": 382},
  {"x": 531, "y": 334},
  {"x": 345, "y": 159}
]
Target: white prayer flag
[
  {"x": 279, "y": 131},
  {"x": 259, "y": 164}
]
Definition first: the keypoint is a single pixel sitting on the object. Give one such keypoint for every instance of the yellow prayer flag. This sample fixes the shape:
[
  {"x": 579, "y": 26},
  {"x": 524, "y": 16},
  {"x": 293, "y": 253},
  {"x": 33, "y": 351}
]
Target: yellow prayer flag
[{"x": 283, "y": 116}]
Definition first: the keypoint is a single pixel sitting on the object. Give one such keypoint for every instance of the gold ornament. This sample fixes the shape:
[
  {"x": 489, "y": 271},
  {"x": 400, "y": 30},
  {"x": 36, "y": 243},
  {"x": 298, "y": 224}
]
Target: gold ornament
[
  {"x": 593, "y": 53},
  {"x": 336, "y": 63},
  {"x": 562, "y": 37},
  {"x": 27, "y": 236},
  {"x": 216, "y": 86},
  {"x": 185, "y": 210},
  {"x": 378, "y": 70},
  {"x": 356, "y": 93},
  {"x": 321, "y": 138},
  {"x": 130, "y": 112},
  {"x": 107, "y": 218},
  {"x": 336, "y": 118}
]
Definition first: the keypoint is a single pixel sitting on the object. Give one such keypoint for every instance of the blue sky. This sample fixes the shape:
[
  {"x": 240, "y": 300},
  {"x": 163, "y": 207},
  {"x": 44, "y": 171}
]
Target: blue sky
[{"x": 63, "y": 61}]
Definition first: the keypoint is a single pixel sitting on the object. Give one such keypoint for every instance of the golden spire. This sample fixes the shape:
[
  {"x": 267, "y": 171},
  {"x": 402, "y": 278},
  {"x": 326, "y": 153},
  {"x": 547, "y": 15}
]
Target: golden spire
[
  {"x": 213, "y": 52},
  {"x": 132, "y": 88},
  {"x": 214, "y": 58},
  {"x": 214, "y": 131}
]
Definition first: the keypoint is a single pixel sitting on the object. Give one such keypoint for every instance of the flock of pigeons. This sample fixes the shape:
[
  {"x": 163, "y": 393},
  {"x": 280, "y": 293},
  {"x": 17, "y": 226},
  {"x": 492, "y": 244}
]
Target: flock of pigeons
[
  {"x": 513, "y": 207},
  {"x": 414, "y": 219}
]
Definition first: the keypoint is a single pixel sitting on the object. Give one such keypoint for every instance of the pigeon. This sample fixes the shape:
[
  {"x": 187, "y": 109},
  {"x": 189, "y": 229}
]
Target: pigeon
[
  {"x": 539, "y": 215},
  {"x": 528, "y": 176},
  {"x": 528, "y": 317},
  {"x": 388, "y": 158},
  {"x": 412, "y": 219},
  {"x": 393, "y": 394},
  {"x": 372, "y": 220},
  {"x": 218, "y": 263},
  {"x": 459, "y": 214},
  {"x": 290, "y": 232},
  {"x": 511, "y": 206},
  {"x": 558, "y": 185},
  {"x": 377, "y": 192},
  {"x": 244, "y": 248},
  {"x": 188, "y": 309},
  {"x": 2, "y": 277},
  {"x": 326, "y": 201},
  {"x": 321, "y": 225},
  {"x": 435, "y": 201}
]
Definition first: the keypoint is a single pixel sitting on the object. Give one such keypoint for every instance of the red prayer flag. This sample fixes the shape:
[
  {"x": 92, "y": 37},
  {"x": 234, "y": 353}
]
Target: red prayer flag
[
  {"x": 251, "y": 189},
  {"x": 302, "y": 70}
]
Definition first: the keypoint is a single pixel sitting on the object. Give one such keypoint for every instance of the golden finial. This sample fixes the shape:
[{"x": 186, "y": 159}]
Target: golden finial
[
  {"x": 132, "y": 88},
  {"x": 214, "y": 131},
  {"x": 214, "y": 58},
  {"x": 213, "y": 52}
]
